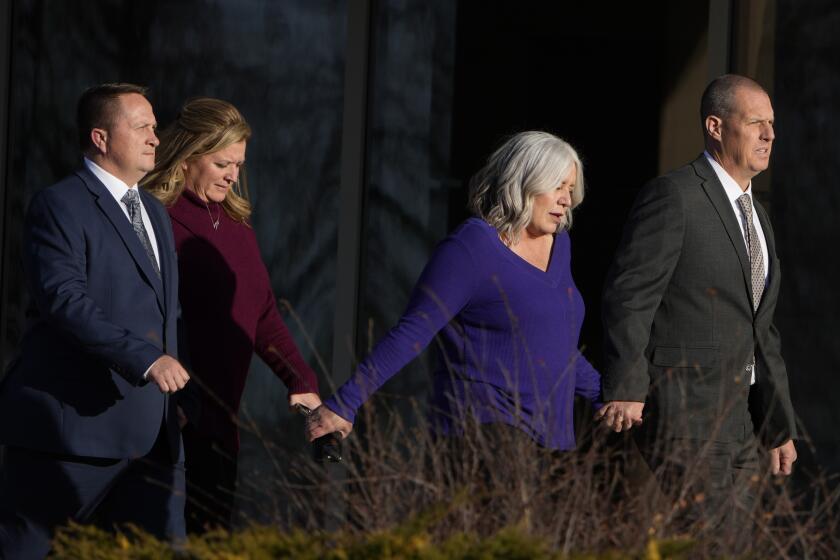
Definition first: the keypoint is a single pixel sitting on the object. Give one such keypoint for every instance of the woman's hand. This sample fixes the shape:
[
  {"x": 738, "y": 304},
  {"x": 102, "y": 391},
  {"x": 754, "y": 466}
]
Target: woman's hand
[
  {"x": 309, "y": 400},
  {"x": 324, "y": 421}
]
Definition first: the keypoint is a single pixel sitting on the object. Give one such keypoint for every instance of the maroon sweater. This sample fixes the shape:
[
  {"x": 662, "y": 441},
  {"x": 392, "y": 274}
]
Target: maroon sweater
[{"x": 228, "y": 312}]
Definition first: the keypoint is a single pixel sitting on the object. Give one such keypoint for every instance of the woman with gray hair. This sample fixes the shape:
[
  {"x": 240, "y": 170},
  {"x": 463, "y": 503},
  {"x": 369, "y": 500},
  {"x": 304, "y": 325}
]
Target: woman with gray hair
[{"x": 499, "y": 293}]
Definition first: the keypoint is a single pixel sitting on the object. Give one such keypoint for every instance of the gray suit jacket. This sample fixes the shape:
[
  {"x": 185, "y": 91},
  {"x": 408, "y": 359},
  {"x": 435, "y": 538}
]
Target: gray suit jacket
[{"x": 678, "y": 317}]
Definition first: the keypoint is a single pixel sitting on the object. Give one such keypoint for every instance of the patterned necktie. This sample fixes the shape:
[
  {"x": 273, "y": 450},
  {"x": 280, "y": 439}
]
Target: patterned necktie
[
  {"x": 756, "y": 264},
  {"x": 132, "y": 202},
  {"x": 754, "y": 244}
]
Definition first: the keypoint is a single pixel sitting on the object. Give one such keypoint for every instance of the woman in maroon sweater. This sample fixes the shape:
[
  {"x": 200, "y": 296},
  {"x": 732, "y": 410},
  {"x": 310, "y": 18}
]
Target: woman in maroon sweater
[{"x": 228, "y": 307}]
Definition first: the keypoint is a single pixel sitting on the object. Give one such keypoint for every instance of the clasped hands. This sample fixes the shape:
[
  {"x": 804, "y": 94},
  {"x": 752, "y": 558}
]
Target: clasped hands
[
  {"x": 622, "y": 415},
  {"x": 324, "y": 421},
  {"x": 321, "y": 420}
]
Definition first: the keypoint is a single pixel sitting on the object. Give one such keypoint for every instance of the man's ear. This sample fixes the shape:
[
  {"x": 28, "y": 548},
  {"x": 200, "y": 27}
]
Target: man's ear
[
  {"x": 99, "y": 138},
  {"x": 713, "y": 127}
]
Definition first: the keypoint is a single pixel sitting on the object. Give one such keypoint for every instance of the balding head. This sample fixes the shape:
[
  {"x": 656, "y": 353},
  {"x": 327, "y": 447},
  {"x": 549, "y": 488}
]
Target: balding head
[
  {"x": 738, "y": 126},
  {"x": 719, "y": 98}
]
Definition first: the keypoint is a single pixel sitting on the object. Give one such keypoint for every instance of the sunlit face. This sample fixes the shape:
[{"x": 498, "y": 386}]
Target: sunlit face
[
  {"x": 211, "y": 176},
  {"x": 128, "y": 144},
  {"x": 551, "y": 209},
  {"x": 746, "y": 136}
]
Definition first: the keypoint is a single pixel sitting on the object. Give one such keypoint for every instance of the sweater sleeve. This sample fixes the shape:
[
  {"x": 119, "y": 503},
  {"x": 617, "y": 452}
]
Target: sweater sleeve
[
  {"x": 587, "y": 381},
  {"x": 444, "y": 288},
  {"x": 276, "y": 346}
]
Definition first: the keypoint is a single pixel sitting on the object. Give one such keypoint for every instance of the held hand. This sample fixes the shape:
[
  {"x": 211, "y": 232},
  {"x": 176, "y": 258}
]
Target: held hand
[
  {"x": 620, "y": 415},
  {"x": 324, "y": 421},
  {"x": 168, "y": 374},
  {"x": 309, "y": 400},
  {"x": 782, "y": 458}
]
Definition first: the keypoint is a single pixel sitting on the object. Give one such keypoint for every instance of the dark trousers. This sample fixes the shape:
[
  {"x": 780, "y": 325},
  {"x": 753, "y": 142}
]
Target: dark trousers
[
  {"x": 711, "y": 487},
  {"x": 211, "y": 482},
  {"x": 489, "y": 450},
  {"x": 41, "y": 491},
  {"x": 505, "y": 470}
]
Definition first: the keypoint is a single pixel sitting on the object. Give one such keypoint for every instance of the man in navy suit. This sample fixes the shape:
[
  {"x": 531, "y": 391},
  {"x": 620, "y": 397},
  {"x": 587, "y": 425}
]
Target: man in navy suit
[{"x": 85, "y": 409}]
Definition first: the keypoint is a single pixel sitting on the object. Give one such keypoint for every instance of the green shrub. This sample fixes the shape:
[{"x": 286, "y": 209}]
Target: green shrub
[{"x": 269, "y": 543}]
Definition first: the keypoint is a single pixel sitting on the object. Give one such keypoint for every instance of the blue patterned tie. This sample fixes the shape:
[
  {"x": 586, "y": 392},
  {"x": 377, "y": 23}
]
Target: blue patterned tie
[{"x": 132, "y": 202}]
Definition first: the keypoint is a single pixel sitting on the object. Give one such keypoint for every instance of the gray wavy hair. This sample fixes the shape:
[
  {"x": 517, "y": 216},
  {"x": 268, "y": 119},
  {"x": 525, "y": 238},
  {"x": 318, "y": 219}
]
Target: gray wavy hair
[{"x": 528, "y": 164}]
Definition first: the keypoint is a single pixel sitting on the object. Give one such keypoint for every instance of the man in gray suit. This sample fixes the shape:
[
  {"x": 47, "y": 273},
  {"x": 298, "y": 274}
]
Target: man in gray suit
[{"x": 688, "y": 313}]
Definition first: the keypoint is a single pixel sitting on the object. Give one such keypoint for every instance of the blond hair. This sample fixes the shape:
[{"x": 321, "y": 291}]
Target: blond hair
[
  {"x": 203, "y": 126},
  {"x": 528, "y": 164}
]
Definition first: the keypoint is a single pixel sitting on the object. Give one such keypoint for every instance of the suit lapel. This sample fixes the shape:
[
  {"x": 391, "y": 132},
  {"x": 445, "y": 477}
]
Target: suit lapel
[
  {"x": 163, "y": 253},
  {"x": 717, "y": 195},
  {"x": 118, "y": 219},
  {"x": 769, "y": 239}
]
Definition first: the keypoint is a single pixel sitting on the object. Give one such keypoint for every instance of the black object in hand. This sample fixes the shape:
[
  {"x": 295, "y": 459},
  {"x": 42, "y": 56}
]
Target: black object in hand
[{"x": 327, "y": 448}]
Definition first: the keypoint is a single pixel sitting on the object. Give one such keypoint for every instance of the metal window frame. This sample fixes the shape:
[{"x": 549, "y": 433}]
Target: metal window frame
[
  {"x": 6, "y": 14},
  {"x": 720, "y": 38},
  {"x": 350, "y": 250}
]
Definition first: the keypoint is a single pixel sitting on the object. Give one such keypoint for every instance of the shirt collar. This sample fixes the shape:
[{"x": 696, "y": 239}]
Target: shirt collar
[
  {"x": 115, "y": 186},
  {"x": 732, "y": 188}
]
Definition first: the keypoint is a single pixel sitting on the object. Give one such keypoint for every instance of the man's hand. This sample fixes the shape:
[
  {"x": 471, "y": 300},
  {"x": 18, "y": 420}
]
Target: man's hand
[
  {"x": 782, "y": 458},
  {"x": 324, "y": 421},
  {"x": 168, "y": 374},
  {"x": 620, "y": 415},
  {"x": 309, "y": 400}
]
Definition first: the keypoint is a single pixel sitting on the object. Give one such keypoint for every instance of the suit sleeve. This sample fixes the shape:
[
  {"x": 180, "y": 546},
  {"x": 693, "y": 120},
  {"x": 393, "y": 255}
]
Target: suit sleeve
[
  {"x": 774, "y": 416},
  {"x": 640, "y": 273},
  {"x": 55, "y": 264},
  {"x": 444, "y": 288}
]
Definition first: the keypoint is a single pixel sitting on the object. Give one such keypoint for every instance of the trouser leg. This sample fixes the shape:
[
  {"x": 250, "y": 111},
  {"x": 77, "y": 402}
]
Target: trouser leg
[
  {"x": 710, "y": 486},
  {"x": 211, "y": 482},
  {"x": 150, "y": 493},
  {"x": 41, "y": 492},
  {"x": 500, "y": 464}
]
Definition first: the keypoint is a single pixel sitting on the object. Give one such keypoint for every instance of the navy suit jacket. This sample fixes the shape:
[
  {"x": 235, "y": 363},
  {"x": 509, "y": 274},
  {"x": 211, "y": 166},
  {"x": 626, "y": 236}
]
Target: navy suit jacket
[{"x": 103, "y": 317}]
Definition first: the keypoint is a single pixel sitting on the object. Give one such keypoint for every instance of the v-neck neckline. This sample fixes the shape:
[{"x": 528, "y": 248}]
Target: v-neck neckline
[
  {"x": 548, "y": 275},
  {"x": 529, "y": 263}
]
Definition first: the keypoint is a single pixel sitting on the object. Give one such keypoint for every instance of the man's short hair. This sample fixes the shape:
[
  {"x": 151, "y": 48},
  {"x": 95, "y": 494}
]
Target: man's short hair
[
  {"x": 719, "y": 97},
  {"x": 97, "y": 108}
]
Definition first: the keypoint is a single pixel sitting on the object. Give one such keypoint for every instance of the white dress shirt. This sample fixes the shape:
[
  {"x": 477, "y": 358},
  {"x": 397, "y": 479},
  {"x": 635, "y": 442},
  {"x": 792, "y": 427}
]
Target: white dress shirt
[
  {"x": 118, "y": 189},
  {"x": 733, "y": 191}
]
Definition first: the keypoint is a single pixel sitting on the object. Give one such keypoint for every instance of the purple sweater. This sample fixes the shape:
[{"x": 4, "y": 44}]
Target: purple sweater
[{"x": 507, "y": 333}]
